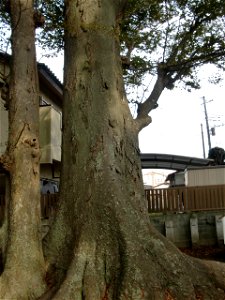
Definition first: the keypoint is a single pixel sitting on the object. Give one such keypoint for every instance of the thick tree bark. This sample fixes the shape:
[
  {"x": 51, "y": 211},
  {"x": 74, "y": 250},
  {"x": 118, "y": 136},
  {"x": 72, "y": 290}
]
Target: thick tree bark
[
  {"x": 102, "y": 245},
  {"x": 23, "y": 276}
]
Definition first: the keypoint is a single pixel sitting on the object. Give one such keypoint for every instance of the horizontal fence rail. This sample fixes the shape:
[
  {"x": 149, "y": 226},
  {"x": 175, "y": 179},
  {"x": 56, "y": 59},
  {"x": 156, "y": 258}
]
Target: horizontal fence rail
[
  {"x": 177, "y": 199},
  {"x": 186, "y": 198}
]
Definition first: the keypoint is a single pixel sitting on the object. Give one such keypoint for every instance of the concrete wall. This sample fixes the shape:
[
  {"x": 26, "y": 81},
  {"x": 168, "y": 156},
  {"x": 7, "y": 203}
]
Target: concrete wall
[{"x": 191, "y": 229}]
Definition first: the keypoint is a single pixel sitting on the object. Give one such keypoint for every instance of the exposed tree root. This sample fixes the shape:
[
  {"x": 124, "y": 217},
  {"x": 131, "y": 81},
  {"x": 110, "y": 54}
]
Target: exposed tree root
[
  {"x": 105, "y": 270},
  {"x": 20, "y": 287}
]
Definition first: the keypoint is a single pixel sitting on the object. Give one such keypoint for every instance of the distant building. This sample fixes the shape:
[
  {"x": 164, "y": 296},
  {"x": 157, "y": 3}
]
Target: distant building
[
  {"x": 176, "y": 179},
  {"x": 207, "y": 176},
  {"x": 153, "y": 179},
  {"x": 50, "y": 112},
  {"x": 198, "y": 176}
]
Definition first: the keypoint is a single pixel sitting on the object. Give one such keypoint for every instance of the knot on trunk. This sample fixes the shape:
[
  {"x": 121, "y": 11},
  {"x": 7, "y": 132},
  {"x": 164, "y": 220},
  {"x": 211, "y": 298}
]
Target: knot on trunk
[
  {"x": 33, "y": 143},
  {"x": 5, "y": 163},
  {"x": 4, "y": 82}
]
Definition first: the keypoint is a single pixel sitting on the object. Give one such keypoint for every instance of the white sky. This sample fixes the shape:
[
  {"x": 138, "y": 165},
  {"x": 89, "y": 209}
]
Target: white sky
[
  {"x": 176, "y": 128},
  {"x": 176, "y": 125}
]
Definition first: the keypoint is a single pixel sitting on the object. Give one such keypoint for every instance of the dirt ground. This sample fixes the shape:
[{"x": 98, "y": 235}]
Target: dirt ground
[{"x": 207, "y": 252}]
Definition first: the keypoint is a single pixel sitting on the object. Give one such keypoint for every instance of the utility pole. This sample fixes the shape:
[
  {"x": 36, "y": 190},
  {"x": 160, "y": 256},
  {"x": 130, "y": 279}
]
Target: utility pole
[
  {"x": 207, "y": 123},
  {"x": 203, "y": 142}
]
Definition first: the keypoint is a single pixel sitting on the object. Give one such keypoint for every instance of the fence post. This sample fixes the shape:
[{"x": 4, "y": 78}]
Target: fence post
[
  {"x": 170, "y": 230},
  {"x": 219, "y": 229},
  {"x": 194, "y": 230}
]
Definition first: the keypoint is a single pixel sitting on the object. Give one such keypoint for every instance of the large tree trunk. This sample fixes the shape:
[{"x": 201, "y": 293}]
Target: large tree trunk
[
  {"x": 23, "y": 276},
  {"x": 101, "y": 245}
]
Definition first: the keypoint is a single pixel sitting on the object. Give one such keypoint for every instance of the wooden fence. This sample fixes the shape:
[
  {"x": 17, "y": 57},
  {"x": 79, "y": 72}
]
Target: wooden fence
[
  {"x": 177, "y": 199},
  {"x": 48, "y": 205},
  {"x": 181, "y": 199}
]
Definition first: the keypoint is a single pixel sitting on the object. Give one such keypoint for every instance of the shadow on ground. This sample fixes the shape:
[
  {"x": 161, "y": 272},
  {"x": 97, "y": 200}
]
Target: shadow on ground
[{"x": 207, "y": 252}]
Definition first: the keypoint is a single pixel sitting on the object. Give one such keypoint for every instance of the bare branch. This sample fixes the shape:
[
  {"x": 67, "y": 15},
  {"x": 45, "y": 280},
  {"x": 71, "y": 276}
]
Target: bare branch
[{"x": 143, "y": 119}]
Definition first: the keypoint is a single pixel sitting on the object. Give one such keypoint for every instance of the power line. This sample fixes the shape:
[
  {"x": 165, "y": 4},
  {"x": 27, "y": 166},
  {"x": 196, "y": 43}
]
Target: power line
[
  {"x": 216, "y": 119},
  {"x": 207, "y": 122}
]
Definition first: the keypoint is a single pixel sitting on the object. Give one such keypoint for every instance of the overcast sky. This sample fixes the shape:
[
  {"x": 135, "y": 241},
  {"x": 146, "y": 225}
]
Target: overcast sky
[{"x": 176, "y": 125}]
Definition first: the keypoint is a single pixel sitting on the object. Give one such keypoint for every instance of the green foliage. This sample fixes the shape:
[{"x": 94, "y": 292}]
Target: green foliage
[
  {"x": 48, "y": 37},
  {"x": 218, "y": 154},
  {"x": 139, "y": 39},
  {"x": 51, "y": 36},
  {"x": 170, "y": 37},
  {"x": 174, "y": 37},
  {"x": 4, "y": 26}
]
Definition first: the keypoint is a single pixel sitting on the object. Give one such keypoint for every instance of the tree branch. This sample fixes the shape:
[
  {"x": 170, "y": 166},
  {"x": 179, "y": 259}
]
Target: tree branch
[
  {"x": 143, "y": 119},
  {"x": 186, "y": 37},
  {"x": 196, "y": 61}
]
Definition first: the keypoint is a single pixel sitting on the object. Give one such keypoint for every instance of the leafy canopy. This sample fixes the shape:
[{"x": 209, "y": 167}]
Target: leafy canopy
[{"x": 173, "y": 37}]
